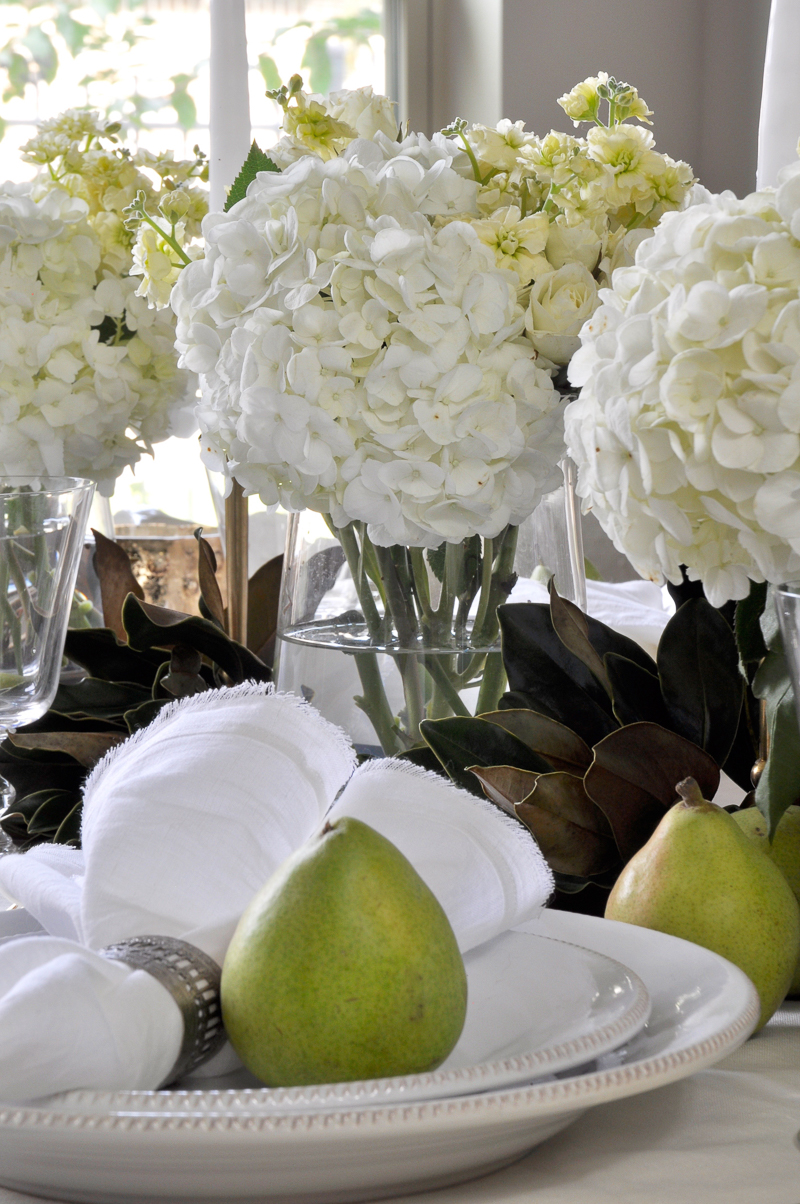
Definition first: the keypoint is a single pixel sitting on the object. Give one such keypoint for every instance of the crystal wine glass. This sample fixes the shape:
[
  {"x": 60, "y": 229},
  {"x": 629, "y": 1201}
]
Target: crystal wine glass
[{"x": 42, "y": 527}]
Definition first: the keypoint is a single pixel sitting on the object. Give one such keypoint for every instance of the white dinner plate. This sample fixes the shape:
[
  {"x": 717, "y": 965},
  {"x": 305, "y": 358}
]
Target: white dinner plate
[{"x": 126, "y": 1147}]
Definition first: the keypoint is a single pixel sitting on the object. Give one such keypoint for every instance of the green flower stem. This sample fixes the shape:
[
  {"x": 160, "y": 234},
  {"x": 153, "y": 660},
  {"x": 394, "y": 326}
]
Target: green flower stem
[
  {"x": 171, "y": 241},
  {"x": 374, "y": 703},
  {"x": 446, "y": 698},
  {"x": 486, "y": 632},
  {"x": 347, "y": 538},
  {"x": 420, "y": 573},
  {"x": 485, "y": 587},
  {"x": 492, "y": 685}
]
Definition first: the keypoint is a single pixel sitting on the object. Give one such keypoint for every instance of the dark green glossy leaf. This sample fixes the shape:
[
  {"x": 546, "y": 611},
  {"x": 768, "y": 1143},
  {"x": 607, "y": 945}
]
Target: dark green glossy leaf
[
  {"x": 559, "y": 746},
  {"x": 156, "y": 627},
  {"x": 700, "y": 680},
  {"x": 554, "y": 681},
  {"x": 70, "y": 830},
  {"x": 256, "y": 161},
  {"x": 747, "y": 625},
  {"x": 98, "y": 650},
  {"x": 636, "y": 692},
  {"x": 633, "y": 777},
  {"x": 461, "y": 743},
  {"x": 744, "y": 750},
  {"x": 572, "y": 833},
  {"x": 423, "y": 757},
  {"x": 101, "y": 699},
  {"x": 144, "y": 715},
  {"x": 779, "y": 785},
  {"x": 51, "y": 813}
]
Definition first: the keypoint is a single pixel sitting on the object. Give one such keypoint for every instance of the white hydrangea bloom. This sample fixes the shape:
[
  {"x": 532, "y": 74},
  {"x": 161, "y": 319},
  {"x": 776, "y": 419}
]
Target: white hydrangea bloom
[
  {"x": 363, "y": 354},
  {"x": 72, "y": 401},
  {"x": 687, "y": 429}
]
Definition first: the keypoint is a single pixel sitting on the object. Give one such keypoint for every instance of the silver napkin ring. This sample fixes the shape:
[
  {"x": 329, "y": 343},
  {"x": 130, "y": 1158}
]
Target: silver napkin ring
[{"x": 192, "y": 979}]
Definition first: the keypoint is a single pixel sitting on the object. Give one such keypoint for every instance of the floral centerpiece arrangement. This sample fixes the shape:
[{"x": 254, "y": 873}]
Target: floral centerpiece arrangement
[
  {"x": 378, "y": 324},
  {"x": 89, "y": 377},
  {"x": 686, "y": 432}
]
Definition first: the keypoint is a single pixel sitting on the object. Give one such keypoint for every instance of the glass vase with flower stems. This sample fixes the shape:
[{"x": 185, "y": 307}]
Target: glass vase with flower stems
[
  {"x": 42, "y": 525},
  {"x": 381, "y": 638}
]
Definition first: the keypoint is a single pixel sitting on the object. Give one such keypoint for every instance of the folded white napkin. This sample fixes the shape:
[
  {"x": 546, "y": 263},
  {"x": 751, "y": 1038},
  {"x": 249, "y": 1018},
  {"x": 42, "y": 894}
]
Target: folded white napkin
[{"x": 182, "y": 825}]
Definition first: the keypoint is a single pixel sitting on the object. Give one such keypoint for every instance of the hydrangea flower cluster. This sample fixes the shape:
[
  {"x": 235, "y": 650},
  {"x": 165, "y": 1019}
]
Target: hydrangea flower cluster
[
  {"x": 88, "y": 372},
  {"x": 687, "y": 428},
  {"x": 363, "y": 353}
]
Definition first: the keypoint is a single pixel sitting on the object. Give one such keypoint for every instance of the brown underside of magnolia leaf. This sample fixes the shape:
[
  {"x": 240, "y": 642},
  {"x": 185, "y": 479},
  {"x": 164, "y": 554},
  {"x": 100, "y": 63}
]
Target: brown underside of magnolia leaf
[
  {"x": 116, "y": 579},
  {"x": 558, "y": 744},
  {"x": 556, "y": 812},
  {"x": 86, "y": 747},
  {"x": 504, "y": 785}
]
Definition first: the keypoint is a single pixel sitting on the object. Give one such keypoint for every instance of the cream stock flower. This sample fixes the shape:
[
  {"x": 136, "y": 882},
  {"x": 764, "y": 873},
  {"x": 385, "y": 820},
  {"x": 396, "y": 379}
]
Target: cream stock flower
[
  {"x": 517, "y": 242},
  {"x": 687, "y": 429}
]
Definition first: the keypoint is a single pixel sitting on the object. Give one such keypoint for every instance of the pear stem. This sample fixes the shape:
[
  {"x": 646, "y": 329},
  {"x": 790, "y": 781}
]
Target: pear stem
[{"x": 690, "y": 792}]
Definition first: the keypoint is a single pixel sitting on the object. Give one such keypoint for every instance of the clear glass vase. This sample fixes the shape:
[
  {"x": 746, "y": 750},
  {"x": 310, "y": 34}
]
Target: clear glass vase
[{"x": 379, "y": 639}]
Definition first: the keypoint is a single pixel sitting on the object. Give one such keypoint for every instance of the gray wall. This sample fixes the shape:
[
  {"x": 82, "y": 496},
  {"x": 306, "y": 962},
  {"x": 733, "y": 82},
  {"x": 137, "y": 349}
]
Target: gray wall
[{"x": 698, "y": 64}]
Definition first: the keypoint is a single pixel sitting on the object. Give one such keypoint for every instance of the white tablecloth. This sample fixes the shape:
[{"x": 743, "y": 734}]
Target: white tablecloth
[{"x": 726, "y": 1136}]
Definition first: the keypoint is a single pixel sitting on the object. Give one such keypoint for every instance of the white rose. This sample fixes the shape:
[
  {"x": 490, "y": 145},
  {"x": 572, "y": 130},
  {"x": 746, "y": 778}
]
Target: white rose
[
  {"x": 572, "y": 244},
  {"x": 364, "y": 112},
  {"x": 559, "y": 305}
]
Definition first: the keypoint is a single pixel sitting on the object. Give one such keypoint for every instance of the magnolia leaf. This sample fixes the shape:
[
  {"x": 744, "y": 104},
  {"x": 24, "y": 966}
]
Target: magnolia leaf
[
  {"x": 116, "y": 579},
  {"x": 207, "y": 579},
  {"x": 633, "y": 777},
  {"x": 556, "y": 813},
  {"x": 256, "y": 161},
  {"x": 424, "y": 758},
  {"x": 560, "y": 746},
  {"x": 182, "y": 678},
  {"x": 86, "y": 748},
  {"x": 747, "y": 626},
  {"x": 100, "y": 699},
  {"x": 505, "y": 785},
  {"x": 143, "y": 715},
  {"x": 700, "y": 680},
  {"x": 569, "y": 624},
  {"x": 100, "y": 653},
  {"x": 156, "y": 627},
  {"x": 636, "y": 692},
  {"x": 779, "y": 785},
  {"x": 321, "y": 573},
  {"x": 554, "y": 681},
  {"x": 463, "y": 743},
  {"x": 264, "y": 594},
  {"x": 49, "y": 816},
  {"x": 69, "y": 831}
]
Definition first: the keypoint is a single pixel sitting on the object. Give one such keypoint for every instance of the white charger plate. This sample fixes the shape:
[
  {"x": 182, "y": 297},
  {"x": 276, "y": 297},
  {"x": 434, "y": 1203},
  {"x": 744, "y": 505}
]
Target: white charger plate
[{"x": 146, "y": 1146}]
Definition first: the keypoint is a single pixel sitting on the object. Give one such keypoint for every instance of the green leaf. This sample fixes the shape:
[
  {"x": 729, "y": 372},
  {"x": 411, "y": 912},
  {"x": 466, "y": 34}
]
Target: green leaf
[
  {"x": 143, "y": 716},
  {"x": 633, "y": 778},
  {"x": 700, "y": 680},
  {"x": 779, "y": 785},
  {"x": 317, "y": 59},
  {"x": 73, "y": 32},
  {"x": 553, "y": 681},
  {"x": 156, "y": 627},
  {"x": 436, "y": 559},
  {"x": 560, "y": 746},
  {"x": 256, "y": 161},
  {"x": 43, "y": 52},
  {"x": 572, "y": 833},
  {"x": 424, "y": 758},
  {"x": 54, "y": 809},
  {"x": 269, "y": 72},
  {"x": 636, "y": 693},
  {"x": 182, "y": 103},
  {"x": 571, "y": 626},
  {"x": 3, "y": 128},
  {"x": 462, "y": 743},
  {"x": 101, "y": 699},
  {"x": 747, "y": 625},
  {"x": 69, "y": 831},
  {"x": 19, "y": 75},
  {"x": 98, "y": 650}
]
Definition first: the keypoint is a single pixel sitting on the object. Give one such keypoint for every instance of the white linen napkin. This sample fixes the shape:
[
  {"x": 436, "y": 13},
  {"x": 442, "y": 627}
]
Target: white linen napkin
[{"x": 182, "y": 825}]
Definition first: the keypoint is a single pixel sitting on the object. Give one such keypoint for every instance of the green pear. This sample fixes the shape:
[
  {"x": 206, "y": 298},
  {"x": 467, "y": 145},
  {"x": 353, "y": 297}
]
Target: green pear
[
  {"x": 784, "y": 851},
  {"x": 344, "y": 966},
  {"x": 700, "y": 878}
]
